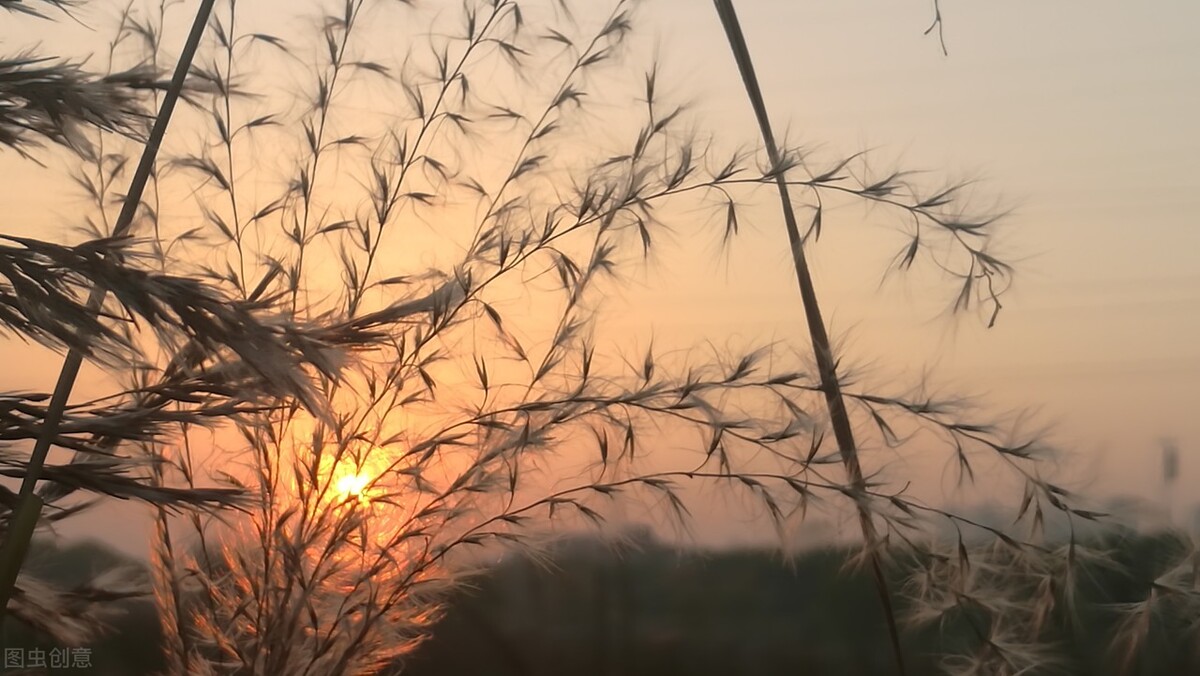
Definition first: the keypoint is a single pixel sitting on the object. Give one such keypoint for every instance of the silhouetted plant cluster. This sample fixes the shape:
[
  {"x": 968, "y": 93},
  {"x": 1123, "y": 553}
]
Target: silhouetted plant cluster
[
  {"x": 377, "y": 258},
  {"x": 107, "y": 301}
]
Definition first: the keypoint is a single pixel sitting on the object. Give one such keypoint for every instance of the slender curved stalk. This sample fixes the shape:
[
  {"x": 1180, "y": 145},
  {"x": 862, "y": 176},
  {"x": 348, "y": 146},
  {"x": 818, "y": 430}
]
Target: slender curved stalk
[
  {"x": 826, "y": 364},
  {"x": 29, "y": 507}
]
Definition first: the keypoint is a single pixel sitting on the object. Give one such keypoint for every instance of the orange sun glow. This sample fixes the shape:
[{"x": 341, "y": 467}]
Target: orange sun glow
[{"x": 353, "y": 485}]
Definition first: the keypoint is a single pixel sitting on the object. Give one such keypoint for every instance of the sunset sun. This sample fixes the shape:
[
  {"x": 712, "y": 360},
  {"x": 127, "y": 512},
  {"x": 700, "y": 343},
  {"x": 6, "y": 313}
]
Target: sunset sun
[{"x": 353, "y": 485}]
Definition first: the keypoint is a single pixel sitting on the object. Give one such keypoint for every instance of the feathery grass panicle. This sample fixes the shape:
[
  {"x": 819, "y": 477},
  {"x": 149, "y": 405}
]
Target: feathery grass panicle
[
  {"x": 44, "y": 98},
  {"x": 441, "y": 439},
  {"x": 224, "y": 358},
  {"x": 369, "y": 510}
]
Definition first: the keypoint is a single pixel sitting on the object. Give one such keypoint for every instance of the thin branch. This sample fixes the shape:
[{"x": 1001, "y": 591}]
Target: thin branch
[{"x": 939, "y": 25}]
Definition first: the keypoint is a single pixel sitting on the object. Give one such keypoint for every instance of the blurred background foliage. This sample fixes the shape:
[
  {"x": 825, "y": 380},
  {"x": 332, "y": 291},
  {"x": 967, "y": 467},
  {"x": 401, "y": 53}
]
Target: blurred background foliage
[{"x": 643, "y": 608}]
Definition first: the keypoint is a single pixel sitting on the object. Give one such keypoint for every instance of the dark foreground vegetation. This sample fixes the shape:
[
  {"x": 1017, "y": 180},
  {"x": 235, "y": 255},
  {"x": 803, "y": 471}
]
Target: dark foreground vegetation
[{"x": 591, "y": 608}]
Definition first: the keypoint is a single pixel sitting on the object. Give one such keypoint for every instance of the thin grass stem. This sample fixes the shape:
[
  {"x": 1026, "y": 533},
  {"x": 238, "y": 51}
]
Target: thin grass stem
[{"x": 826, "y": 364}]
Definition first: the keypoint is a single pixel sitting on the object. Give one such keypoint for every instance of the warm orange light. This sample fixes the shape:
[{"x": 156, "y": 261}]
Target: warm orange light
[{"x": 353, "y": 485}]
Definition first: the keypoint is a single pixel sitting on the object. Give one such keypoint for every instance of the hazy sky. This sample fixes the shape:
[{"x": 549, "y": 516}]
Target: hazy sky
[
  {"x": 1082, "y": 117},
  {"x": 1079, "y": 116}
]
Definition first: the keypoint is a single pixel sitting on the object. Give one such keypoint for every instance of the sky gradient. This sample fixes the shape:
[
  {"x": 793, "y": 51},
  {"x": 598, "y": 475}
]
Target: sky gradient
[{"x": 1079, "y": 118}]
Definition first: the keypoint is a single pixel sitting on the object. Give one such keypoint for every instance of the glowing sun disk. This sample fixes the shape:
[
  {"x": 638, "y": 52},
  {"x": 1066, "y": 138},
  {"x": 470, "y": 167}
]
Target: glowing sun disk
[{"x": 353, "y": 485}]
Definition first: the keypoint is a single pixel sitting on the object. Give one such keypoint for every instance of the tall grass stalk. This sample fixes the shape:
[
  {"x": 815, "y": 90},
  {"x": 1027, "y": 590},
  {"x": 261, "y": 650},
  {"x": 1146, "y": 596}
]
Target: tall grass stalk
[
  {"x": 28, "y": 511},
  {"x": 822, "y": 350}
]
